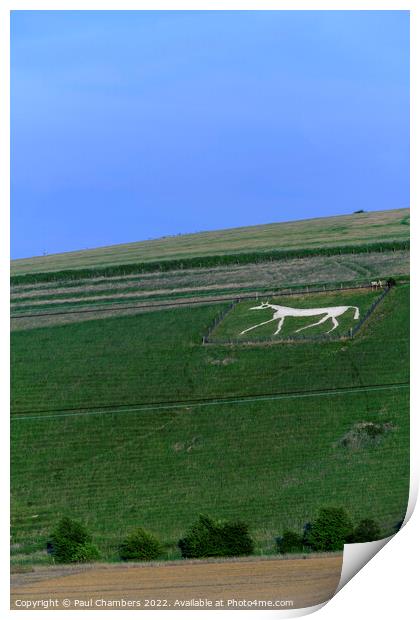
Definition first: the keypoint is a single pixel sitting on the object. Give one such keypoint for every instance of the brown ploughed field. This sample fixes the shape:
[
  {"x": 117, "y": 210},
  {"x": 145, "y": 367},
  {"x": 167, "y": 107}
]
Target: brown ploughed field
[{"x": 239, "y": 584}]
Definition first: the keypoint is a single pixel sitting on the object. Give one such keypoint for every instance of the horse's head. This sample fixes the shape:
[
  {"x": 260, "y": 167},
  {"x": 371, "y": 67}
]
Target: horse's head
[{"x": 262, "y": 306}]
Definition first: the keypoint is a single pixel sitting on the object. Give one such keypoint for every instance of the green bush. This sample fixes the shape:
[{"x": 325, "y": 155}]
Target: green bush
[
  {"x": 70, "y": 542},
  {"x": 330, "y": 530},
  {"x": 140, "y": 545},
  {"x": 365, "y": 434},
  {"x": 210, "y": 538},
  {"x": 290, "y": 542},
  {"x": 367, "y": 530},
  {"x": 88, "y": 552}
]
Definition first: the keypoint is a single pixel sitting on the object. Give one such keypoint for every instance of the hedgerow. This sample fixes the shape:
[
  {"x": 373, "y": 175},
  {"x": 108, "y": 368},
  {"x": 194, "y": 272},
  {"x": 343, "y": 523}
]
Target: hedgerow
[{"x": 206, "y": 261}]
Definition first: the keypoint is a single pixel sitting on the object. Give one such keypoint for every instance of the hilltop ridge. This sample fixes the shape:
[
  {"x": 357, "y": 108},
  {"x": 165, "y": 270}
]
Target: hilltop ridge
[{"x": 355, "y": 229}]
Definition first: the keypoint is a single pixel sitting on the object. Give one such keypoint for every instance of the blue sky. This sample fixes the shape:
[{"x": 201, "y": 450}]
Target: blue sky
[{"x": 128, "y": 125}]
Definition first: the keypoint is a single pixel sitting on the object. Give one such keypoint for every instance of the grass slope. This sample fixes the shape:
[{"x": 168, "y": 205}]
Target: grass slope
[
  {"x": 243, "y": 317},
  {"x": 272, "y": 463},
  {"x": 158, "y": 356},
  {"x": 324, "y": 232}
]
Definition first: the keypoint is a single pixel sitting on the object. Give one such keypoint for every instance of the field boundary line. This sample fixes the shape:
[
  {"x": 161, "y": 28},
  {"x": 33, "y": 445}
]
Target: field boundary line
[
  {"x": 353, "y": 330},
  {"x": 218, "y": 401},
  {"x": 218, "y": 319},
  {"x": 204, "y": 301}
]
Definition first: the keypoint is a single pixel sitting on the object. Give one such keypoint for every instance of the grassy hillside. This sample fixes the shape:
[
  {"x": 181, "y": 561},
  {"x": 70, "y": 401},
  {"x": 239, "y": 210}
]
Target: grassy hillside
[
  {"x": 122, "y": 417},
  {"x": 348, "y": 230},
  {"x": 158, "y": 356},
  {"x": 124, "y": 460},
  {"x": 273, "y": 464},
  {"x": 244, "y": 316}
]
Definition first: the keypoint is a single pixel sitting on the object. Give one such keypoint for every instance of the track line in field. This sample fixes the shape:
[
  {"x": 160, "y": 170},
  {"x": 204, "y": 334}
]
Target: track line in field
[
  {"x": 205, "y": 300},
  {"x": 218, "y": 401}
]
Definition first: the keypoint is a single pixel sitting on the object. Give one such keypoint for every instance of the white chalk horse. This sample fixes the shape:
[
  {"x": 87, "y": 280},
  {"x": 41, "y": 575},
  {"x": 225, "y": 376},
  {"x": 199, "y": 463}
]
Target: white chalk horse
[{"x": 281, "y": 312}]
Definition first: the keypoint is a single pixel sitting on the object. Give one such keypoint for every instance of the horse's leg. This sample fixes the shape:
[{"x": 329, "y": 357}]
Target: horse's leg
[
  {"x": 255, "y": 326},
  {"x": 280, "y": 325},
  {"x": 335, "y": 324},
  {"x": 325, "y": 318}
]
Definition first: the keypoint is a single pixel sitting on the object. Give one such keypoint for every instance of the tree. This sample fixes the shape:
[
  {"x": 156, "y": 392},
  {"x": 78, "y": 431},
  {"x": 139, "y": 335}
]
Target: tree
[
  {"x": 290, "y": 542},
  {"x": 210, "y": 538},
  {"x": 367, "y": 530},
  {"x": 71, "y": 542},
  {"x": 331, "y": 530}
]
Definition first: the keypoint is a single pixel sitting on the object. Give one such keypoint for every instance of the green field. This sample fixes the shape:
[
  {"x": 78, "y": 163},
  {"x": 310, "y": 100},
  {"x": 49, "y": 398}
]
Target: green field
[
  {"x": 126, "y": 460},
  {"x": 343, "y": 230}
]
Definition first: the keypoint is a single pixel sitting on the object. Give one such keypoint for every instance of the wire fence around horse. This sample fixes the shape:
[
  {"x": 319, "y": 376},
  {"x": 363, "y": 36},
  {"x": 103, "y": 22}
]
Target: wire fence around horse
[
  {"x": 353, "y": 330},
  {"x": 218, "y": 319},
  {"x": 349, "y": 334}
]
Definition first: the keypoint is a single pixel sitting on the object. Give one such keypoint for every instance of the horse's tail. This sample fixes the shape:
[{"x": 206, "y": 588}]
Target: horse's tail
[{"x": 356, "y": 314}]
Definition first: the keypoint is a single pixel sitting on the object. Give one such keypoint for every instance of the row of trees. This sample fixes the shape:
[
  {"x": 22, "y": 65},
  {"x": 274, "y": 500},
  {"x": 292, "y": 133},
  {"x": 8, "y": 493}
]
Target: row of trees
[
  {"x": 71, "y": 542},
  {"x": 330, "y": 531}
]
